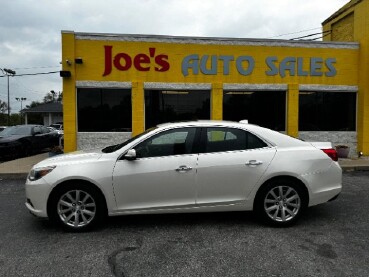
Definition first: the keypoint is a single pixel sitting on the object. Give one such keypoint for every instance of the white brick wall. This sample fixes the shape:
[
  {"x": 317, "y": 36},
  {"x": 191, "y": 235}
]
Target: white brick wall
[
  {"x": 347, "y": 138},
  {"x": 86, "y": 141}
]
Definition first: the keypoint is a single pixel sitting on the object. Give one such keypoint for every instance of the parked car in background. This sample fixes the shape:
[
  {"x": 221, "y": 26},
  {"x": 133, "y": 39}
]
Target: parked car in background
[
  {"x": 199, "y": 166},
  {"x": 22, "y": 140},
  {"x": 57, "y": 126},
  {"x": 57, "y": 131}
]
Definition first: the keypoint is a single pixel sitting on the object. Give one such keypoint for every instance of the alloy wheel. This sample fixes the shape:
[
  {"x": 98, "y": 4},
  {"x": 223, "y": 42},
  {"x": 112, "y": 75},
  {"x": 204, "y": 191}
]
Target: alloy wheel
[
  {"x": 76, "y": 208},
  {"x": 282, "y": 203}
]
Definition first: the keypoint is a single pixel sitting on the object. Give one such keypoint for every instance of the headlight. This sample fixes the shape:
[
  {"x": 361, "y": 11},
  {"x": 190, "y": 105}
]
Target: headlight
[{"x": 40, "y": 172}]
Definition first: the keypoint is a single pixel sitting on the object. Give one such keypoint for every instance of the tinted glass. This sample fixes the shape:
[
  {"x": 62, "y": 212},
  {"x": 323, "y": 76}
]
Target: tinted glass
[
  {"x": 172, "y": 106},
  {"x": 229, "y": 139},
  {"x": 263, "y": 108},
  {"x": 17, "y": 130},
  {"x": 104, "y": 110},
  {"x": 45, "y": 130},
  {"x": 37, "y": 130},
  {"x": 327, "y": 111},
  {"x": 174, "y": 142}
]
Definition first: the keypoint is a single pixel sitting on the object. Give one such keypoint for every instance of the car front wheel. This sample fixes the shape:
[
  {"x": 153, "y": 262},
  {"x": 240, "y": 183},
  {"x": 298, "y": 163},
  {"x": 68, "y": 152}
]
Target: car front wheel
[
  {"x": 281, "y": 202},
  {"x": 77, "y": 207}
]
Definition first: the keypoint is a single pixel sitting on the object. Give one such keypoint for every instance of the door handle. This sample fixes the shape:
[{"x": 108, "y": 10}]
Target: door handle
[
  {"x": 254, "y": 162},
  {"x": 183, "y": 168}
]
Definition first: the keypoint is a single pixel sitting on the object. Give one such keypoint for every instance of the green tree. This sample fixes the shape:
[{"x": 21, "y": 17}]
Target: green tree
[
  {"x": 3, "y": 106},
  {"x": 53, "y": 96},
  {"x": 49, "y": 97}
]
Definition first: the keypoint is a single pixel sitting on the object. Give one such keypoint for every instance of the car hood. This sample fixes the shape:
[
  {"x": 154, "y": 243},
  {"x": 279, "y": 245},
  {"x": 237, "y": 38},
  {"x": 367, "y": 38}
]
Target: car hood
[{"x": 76, "y": 157}]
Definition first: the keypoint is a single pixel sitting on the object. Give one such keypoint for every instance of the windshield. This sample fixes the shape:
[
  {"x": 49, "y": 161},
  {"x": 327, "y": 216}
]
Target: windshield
[
  {"x": 116, "y": 147},
  {"x": 17, "y": 130}
]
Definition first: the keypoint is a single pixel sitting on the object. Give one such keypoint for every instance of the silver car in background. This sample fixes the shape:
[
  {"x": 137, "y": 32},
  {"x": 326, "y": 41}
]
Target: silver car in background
[{"x": 199, "y": 166}]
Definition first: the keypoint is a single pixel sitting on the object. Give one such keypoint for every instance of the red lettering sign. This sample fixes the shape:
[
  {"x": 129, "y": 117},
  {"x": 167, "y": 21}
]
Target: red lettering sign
[{"x": 141, "y": 62}]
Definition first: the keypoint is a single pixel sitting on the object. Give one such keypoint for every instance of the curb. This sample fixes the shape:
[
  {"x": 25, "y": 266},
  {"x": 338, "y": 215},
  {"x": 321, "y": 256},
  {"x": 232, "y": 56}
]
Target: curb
[{"x": 354, "y": 168}]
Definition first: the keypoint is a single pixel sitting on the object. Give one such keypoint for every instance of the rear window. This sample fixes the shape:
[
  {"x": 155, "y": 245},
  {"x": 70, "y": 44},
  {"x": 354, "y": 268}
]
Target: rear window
[{"x": 230, "y": 139}]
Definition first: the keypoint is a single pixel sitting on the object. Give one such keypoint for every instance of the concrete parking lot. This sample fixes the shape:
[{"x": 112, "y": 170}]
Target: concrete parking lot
[{"x": 330, "y": 240}]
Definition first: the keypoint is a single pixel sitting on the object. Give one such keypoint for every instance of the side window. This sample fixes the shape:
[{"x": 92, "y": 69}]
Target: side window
[
  {"x": 254, "y": 142},
  {"x": 230, "y": 139},
  {"x": 173, "y": 142},
  {"x": 37, "y": 130},
  {"x": 45, "y": 130}
]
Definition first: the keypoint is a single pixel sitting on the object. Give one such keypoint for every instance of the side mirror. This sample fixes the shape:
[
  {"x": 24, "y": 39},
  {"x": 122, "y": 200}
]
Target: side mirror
[{"x": 130, "y": 155}]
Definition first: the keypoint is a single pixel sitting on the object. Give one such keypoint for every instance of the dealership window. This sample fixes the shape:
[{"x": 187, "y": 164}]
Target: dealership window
[
  {"x": 175, "y": 105},
  {"x": 263, "y": 108},
  {"x": 327, "y": 111},
  {"x": 104, "y": 110}
]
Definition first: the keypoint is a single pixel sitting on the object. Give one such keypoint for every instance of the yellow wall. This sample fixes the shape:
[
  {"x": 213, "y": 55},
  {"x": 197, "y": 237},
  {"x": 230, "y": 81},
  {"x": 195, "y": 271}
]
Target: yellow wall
[
  {"x": 69, "y": 93},
  {"x": 359, "y": 11},
  {"x": 92, "y": 68},
  {"x": 92, "y": 51}
]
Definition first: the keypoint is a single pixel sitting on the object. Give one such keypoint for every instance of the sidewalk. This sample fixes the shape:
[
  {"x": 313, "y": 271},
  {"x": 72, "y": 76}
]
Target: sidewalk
[{"x": 21, "y": 167}]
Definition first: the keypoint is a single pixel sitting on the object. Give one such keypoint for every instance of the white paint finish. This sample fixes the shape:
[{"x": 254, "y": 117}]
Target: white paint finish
[
  {"x": 224, "y": 177},
  {"x": 215, "y": 183},
  {"x": 154, "y": 182}
]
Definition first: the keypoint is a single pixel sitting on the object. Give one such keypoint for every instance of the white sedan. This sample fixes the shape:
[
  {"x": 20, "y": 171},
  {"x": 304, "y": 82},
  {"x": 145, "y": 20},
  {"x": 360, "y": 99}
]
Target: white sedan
[{"x": 199, "y": 166}]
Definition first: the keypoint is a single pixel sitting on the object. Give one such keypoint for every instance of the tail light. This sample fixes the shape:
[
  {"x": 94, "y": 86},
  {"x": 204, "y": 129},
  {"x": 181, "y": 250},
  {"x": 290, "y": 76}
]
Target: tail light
[{"x": 332, "y": 153}]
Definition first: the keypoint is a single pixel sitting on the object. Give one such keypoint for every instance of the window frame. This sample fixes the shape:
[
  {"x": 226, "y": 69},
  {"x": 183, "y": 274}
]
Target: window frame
[
  {"x": 194, "y": 147},
  {"x": 253, "y": 98},
  {"x": 100, "y": 125},
  {"x": 204, "y": 133},
  {"x": 162, "y": 117},
  {"x": 350, "y": 119}
]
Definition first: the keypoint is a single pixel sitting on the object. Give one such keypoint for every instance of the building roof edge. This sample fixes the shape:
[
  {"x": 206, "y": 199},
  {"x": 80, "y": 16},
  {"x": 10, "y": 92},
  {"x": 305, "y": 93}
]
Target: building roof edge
[{"x": 345, "y": 8}]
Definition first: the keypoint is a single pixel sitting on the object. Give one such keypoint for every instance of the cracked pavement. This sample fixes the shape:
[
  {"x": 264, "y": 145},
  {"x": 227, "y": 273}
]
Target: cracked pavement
[{"x": 329, "y": 240}]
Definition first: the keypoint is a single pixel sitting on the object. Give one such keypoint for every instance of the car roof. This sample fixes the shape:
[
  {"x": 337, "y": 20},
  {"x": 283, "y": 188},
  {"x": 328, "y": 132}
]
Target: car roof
[
  {"x": 271, "y": 136},
  {"x": 201, "y": 123}
]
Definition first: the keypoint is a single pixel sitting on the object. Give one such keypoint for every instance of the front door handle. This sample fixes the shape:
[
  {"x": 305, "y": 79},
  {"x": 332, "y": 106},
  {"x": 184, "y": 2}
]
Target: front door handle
[
  {"x": 254, "y": 162},
  {"x": 183, "y": 168}
]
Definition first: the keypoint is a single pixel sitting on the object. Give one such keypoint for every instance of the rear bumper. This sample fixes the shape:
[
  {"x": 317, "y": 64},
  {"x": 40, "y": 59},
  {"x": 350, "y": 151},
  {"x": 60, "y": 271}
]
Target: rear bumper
[
  {"x": 334, "y": 198},
  {"x": 325, "y": 185}
]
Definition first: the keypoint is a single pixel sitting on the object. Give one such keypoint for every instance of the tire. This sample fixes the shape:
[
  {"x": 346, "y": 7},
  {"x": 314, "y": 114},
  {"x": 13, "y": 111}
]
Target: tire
[
  {"x": 77, "y": 207},
  {"x": 281, "y": 202},
  {"x": 26, "y": 150}
]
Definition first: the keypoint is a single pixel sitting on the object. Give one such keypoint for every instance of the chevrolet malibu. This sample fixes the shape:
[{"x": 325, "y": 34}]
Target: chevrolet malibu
[{"x": 199, "y": 166}]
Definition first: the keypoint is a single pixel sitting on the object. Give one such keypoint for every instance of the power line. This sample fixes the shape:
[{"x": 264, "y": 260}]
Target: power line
[
  {"x": 315, "y": 34},
  {"x": 25, "y": 68},
  {"x": 33, "y": 74},
  {"x": 327, "y": 34},
  {"x": 302, "y": 31}
]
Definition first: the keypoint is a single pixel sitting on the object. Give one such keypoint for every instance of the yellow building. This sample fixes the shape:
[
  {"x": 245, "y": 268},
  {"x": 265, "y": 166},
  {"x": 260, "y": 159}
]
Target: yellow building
[
  {"x": 115, "y": 86},
  {"x": 351, "y": 23}
]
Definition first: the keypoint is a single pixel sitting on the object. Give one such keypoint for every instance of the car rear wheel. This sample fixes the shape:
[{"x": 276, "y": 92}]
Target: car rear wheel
[
  {"x": 281, "y": 202},
  {"x": 77, "y": 207}
]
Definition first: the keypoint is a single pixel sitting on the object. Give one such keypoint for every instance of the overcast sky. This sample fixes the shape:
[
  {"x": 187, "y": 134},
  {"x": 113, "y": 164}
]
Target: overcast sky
[{"x": 30, "y": 30}]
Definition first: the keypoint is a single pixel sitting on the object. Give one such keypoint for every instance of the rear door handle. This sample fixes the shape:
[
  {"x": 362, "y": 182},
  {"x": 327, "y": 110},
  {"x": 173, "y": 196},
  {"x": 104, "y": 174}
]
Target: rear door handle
[
  {"x": 183, "y": 168},
  {"x": 254, "y": 162}
]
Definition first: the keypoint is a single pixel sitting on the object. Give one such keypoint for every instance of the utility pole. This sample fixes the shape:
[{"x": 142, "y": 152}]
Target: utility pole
[
  {"x": 8, "y": 73},
  {"x": 21, "y": 99}
]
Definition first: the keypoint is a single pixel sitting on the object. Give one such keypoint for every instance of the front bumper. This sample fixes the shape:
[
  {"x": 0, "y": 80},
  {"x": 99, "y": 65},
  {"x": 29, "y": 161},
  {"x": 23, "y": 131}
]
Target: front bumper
[{"x": 37, "y": 193}]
